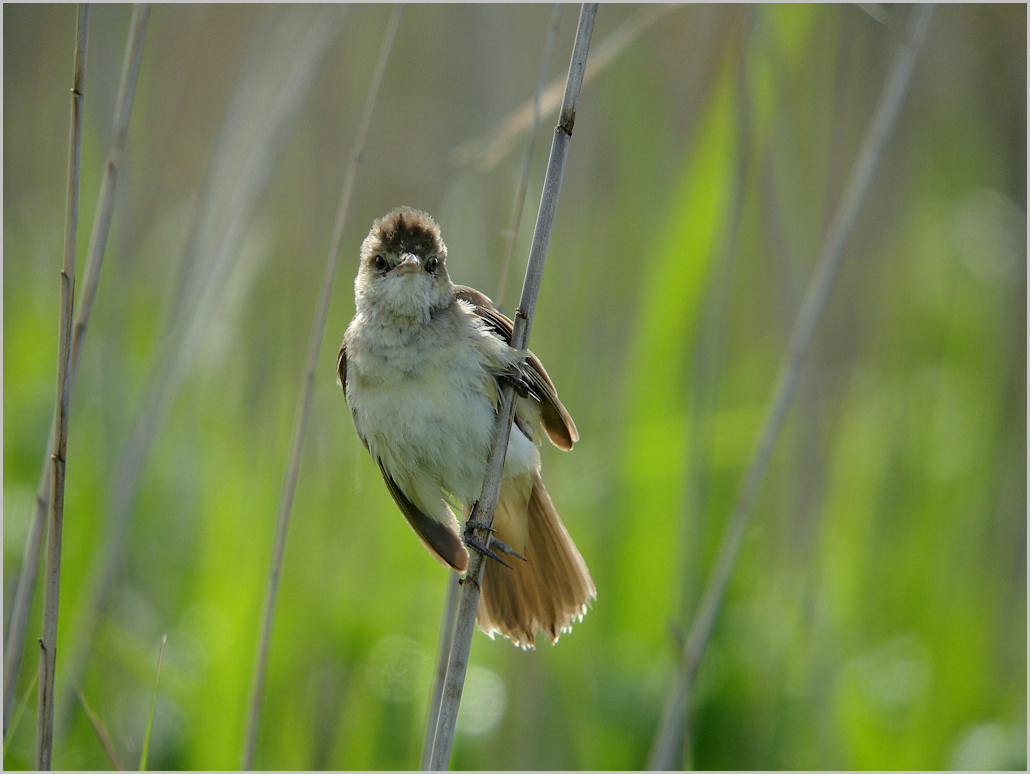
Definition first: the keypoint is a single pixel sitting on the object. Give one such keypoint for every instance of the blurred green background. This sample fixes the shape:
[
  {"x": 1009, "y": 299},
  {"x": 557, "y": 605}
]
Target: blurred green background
[{"x": 876, "y": 616}]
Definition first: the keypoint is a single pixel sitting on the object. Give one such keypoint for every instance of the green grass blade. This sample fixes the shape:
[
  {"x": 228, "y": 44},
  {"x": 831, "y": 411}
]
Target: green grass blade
[
  {"x": 101, "y": 732},
  {"x": 19, "y": 712},
  {"x": 153, "y": 705}
]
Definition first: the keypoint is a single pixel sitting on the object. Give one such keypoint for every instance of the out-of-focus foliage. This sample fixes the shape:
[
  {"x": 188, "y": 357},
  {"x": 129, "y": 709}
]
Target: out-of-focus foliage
[{"x": 876, "y": 616}]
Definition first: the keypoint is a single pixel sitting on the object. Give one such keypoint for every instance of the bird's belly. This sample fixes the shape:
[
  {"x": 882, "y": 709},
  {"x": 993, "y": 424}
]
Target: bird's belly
[{"x": 431, "y": 425}]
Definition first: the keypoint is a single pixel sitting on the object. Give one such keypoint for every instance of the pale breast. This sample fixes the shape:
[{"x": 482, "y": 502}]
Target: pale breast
[{"x": 425, "y": 408}]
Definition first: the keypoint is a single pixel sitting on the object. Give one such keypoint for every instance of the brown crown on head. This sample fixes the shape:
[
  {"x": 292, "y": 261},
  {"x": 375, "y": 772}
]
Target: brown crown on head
[{"x": 406, "y": 230}]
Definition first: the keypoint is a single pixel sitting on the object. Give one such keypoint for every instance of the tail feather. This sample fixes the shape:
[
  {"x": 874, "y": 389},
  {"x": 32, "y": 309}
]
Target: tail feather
[{"x": 550, "y": 590}]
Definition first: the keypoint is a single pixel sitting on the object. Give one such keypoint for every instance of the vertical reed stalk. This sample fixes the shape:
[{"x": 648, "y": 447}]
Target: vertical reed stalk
[
  {"x": 451, "y": 603},
  {"x": 55, "y": 516},
  {"x": 304, "y": 399},
  {"x": 520, "y": 194},
  {"x": 26, "y": 582},
  {"x": 450, "y": 615},
  {"x": 523, "y": 319},
  {"x": 280, "y": 63}
]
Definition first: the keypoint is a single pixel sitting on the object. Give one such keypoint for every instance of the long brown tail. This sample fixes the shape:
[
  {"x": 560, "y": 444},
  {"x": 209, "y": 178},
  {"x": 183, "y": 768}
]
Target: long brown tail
[{"x": 551, "y": 589}]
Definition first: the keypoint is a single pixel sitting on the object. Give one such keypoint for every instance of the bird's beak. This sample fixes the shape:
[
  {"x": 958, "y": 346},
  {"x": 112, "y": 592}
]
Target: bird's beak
[{"x": 409, "y": 262}]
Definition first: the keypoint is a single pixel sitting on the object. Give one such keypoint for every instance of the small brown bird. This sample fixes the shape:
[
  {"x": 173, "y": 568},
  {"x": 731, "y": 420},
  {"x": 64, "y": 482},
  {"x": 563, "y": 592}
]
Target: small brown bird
[{"x": 421, "y": 366}]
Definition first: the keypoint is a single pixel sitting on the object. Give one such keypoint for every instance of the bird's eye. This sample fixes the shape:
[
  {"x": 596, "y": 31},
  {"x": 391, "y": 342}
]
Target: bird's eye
[
  {"x": 431, "y": 263},
  {"x": 380, "y": 263}
]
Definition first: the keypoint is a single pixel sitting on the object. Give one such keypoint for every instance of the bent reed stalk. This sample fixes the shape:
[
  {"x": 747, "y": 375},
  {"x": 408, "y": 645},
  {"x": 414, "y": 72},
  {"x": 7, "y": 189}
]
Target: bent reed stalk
[{"x": 830, "y": 257}]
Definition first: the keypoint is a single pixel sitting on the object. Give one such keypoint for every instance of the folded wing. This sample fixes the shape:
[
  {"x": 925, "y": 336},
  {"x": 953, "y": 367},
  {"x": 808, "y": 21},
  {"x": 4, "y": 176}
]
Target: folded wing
[{"x": 558, "y": 425}]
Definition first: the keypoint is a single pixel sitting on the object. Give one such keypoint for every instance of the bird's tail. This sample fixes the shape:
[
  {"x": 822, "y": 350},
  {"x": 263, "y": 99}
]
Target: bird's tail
[{"x": 551, "y": 589}]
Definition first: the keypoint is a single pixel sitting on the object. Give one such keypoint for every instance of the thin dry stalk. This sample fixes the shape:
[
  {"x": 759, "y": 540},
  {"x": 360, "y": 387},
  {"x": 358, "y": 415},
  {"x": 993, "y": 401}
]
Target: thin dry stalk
[
  {"x": 488, "y": 149},
  {"x": 279, "y": 66},
  {"x": 451, "y": 602},
  {"x": 450, "y": 614},
  {"x": 26, "y": 582},
  {"x": 304, "y": 400},
  {"x": 829, "y": 260},
  {"x": 55, "y": 519},
  {"x": 458, "y": 663},
  {"x": 520, "y": 193}
]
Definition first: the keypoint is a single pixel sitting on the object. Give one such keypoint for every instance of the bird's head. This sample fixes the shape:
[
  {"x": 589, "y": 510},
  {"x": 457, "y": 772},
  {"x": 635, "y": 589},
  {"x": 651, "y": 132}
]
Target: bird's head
[{"x": 403, "y": 266}]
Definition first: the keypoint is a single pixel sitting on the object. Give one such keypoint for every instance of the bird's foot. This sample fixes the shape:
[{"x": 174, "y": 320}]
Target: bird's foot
[
  {"x": 522, "y": 387},
  {"x": 487, "y": 550}
]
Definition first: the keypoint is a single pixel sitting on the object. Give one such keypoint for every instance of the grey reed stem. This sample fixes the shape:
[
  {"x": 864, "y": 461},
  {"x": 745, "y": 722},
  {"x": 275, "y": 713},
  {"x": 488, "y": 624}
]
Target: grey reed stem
[
  {"x": 26, "y": 583},
  {"x": 55, "y": 516},
  {"x": 458, "y": 663}
]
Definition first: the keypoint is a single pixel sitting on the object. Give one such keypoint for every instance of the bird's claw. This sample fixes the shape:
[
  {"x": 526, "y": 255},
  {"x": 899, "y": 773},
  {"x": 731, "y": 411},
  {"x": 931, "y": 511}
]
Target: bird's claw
[
  {"x": 487, "y": 550},
  {"x": 507, "y": 549},
  {"x": 473, "y": 543},
  {"x": 522, "y": 387}
]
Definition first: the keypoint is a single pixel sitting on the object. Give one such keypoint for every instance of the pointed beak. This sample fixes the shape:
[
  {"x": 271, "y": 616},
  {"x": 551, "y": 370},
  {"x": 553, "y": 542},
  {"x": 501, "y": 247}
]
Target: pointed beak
[{"x": 409, "y": 262}]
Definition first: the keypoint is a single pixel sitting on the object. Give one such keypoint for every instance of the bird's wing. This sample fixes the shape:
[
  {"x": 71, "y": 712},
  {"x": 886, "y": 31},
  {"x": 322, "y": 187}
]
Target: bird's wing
[
  {"x": 556, "y": 420},
  {"x": 441, "y": 541},
  {"x": 341, "y": 379}
]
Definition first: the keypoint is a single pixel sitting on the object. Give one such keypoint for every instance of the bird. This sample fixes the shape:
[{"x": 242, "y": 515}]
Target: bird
[{"x": 422, "y": 365}]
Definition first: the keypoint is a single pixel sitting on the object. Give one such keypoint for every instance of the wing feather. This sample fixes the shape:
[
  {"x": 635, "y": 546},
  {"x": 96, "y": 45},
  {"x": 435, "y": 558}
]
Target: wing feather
[
  {"x": 341, "y": 367},
  {"x": 558, "y": 425},
  {"x": 441, "y": 541}
]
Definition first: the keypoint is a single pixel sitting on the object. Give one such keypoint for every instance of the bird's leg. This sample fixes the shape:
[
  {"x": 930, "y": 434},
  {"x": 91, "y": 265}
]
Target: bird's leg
[
  {"x": 522, "y": 387},
  {"x": 474, "y": 543}
]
